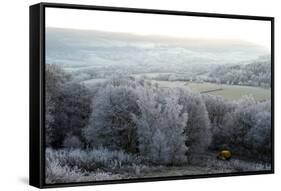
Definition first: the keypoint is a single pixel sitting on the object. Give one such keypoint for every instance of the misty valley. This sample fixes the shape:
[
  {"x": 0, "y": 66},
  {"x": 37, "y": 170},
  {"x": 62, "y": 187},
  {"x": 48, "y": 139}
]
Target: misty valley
[{"x": 125, "y": 106}]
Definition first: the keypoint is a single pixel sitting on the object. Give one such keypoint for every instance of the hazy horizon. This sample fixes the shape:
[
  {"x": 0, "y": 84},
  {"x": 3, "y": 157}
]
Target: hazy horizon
[
  {"x": 116, "y": 49},
  {"x": 253, "y": 31},
  {"x": 179, "y": 39}
]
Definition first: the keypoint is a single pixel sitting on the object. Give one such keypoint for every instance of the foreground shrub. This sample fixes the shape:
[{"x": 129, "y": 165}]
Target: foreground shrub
[
  {"x": 92, "y": 159},
  {"x": 57, "y": 173}
]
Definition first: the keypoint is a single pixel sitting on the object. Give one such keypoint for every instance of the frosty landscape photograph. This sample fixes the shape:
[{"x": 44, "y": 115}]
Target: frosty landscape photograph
[{"x": 130, "y": 95}]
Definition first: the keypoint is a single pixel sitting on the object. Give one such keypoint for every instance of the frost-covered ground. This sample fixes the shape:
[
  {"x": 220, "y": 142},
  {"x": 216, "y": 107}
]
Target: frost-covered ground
[{"x": 102, "y": 164}]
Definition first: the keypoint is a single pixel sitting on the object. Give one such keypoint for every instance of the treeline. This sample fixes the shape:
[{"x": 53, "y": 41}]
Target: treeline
[
  {"x": 163, "y": 126},
  {"x": 257, "y": 73},
  {"x": 68, "y": 108},
  {"x": 244, "y": 127}
]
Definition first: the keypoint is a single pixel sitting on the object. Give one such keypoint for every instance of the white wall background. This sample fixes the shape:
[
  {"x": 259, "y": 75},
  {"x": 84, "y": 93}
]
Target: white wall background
[{"x": 14, "y": 75}]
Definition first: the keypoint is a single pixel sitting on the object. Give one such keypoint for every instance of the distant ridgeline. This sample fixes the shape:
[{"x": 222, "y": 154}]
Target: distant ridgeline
[{"x": 100, "y": 54}]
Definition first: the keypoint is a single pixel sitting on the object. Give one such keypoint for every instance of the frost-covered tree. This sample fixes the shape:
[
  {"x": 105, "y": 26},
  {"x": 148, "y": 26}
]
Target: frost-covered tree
[
  {"x": 111, "y": 124},
  {"x": 72, "y": 142},
  {"x": 243, "y": 126},
  {"x": 248, "y": 130},
  {"x": 259, "y": 137},
  {"x": 198, "y": 124},
  {"x": 238, "y": 123},
  {"x": 75, "y": 105},
  {"x": 55, "y": 80},
  {"x": 160, "y": 127},
  {"x": 68, "y": 106},
  {"x": 218, "y": 109}
]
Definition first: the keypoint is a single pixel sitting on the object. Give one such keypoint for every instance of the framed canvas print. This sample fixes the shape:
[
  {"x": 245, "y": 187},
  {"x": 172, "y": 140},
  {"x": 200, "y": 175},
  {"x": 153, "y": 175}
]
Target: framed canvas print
[{"x": 123, "y": 95}]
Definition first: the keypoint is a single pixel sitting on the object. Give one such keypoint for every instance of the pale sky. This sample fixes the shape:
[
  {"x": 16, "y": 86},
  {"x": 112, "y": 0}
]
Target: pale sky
[{"x": 258, "y": 32}]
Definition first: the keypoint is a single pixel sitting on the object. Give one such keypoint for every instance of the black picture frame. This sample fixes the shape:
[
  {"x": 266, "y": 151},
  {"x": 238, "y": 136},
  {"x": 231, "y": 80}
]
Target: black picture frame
[{"x": 37, "y": 94}]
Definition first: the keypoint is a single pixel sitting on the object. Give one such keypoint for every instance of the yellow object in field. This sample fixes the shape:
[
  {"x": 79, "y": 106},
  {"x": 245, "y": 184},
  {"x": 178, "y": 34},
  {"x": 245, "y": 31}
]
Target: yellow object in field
[{"x": 224, "y": 155}]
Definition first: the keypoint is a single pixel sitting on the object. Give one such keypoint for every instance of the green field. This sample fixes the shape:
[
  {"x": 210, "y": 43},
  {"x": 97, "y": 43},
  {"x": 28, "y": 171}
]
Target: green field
[{"x": 229, "y": 92}]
